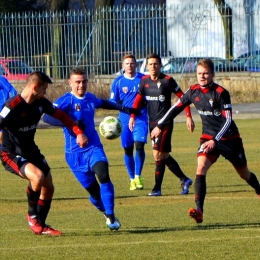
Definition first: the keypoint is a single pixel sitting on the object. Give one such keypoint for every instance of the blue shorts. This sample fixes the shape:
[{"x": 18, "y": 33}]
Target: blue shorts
[
  {"x": 81, "y": 164},
  {"x": 139, "y": 134}
]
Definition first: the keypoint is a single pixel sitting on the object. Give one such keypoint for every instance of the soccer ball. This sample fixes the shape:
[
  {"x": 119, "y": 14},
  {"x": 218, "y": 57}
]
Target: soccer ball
[{"x": 110, "y": 127}]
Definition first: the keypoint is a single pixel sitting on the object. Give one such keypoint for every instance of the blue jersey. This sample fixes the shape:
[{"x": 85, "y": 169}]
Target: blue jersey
[
  {"x": 124, "y": 91},
  {"x": 6, "y": 91},
  {"x": 83, "y": 110}
]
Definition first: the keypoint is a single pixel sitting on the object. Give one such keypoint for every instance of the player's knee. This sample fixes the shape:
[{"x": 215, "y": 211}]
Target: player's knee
[
  {"x": 101, "y": 171},
  {"x": 129, "y": 151}
]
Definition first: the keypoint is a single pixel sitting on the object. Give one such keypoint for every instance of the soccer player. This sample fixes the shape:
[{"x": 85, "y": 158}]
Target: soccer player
[
  {"x": 91, "y": 161},
  {"x": 220, "y": 135},
  {"x": 123, "y": 91},
  {"x": 21, "y": 156},
  {"x": 156, "y": 89},
  {"x": 6, "y": 91}
]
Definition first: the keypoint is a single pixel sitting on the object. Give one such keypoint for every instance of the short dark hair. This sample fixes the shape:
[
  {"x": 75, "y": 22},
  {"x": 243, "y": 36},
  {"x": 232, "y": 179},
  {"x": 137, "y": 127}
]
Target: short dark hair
[
  {"x": 206, "y": 63},
  {"x": 154, "y": 56},
  {"x": 77, "y": 71},
  {"x": 128, "y": 56},
  {"x": 38, "y": 76}
]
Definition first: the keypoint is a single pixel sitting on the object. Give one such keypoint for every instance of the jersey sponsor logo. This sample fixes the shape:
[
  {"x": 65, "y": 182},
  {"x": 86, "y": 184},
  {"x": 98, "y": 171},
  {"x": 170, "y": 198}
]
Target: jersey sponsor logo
[
  {"x": 227, "y": 106},
  {"x": 217, "y": 112},
  {"x": 27, "y": 128},
  {"x": 151, "y": 98},
  {"x": 5, "y": 111},
  {"x": 159, "y": 84},
  {"x": 77, "y": 107},
  {"x": 161, "y": 98},
  {"x": 205, "y": 113},
  {"x": 125, "y": 89}
]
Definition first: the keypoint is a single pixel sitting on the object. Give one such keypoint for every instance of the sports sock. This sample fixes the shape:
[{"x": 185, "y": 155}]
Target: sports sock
[
  {"x": 159, "y": 174},
  {"x": 200, "y": 191},
  {"x": 139, "y": 161},
  {"x": 254, "y": 183},
  {"x": 97, "y": 203},
  {"x": 175, "y": 168},
  {"x": 33, "y": 197},
  {"x": 130, "y": 165},
  {"x": 43, "y": 208},
  {"x": 108, "y": 197}
]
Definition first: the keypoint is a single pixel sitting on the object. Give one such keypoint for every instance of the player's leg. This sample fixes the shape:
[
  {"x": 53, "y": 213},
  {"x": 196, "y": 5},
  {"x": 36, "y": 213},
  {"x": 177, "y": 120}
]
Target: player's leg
[
  {"x": 139, "y": 133},
  {"x": 128, "y": 145},
  {"x": 100, "y": 168},
  {"x": 95, "y": 196},
  {"x": 233, "y": 151},
  {"x": 204, "y": 162}
]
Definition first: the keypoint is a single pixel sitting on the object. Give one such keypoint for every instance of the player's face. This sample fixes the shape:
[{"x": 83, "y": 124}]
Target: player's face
[
  {"x": 40, "y": 90},
  {"x": 154, "y": 67},
  {"x": 129, "y": 66},
  {"x": 78, "y": 84},
  {"x": 204, "y": 76}
]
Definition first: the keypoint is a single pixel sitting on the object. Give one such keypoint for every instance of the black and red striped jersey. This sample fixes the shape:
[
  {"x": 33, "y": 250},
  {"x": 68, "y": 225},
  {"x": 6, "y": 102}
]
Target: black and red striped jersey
[
  {"x": 19, "y": 121},
  {"x": 213, "y": 104},
  {"x": 158, "y": 94}
]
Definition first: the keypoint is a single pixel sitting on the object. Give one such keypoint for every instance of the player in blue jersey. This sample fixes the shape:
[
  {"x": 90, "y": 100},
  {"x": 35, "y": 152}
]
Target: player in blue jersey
[
  {"x": 123, "y": 91},
  {"x": 90, "y": 161},
  {"x": 6, "y": 91}
]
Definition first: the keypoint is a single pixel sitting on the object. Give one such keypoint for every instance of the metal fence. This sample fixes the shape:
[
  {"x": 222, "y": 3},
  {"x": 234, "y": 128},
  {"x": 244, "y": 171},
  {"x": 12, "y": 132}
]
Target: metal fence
[{"x": 97, "y": 39}]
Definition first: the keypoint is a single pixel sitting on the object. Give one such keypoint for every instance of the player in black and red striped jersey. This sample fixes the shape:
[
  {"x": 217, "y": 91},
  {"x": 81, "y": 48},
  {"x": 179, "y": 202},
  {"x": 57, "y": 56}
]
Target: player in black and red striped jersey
[
  {"x": 157, "y": 88},
  {"x": 20, "y": 155},
  {"x": 220, "y": 135}
]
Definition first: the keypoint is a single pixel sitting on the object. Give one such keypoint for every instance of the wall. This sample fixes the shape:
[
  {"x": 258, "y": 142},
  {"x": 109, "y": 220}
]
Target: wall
[{"x": 244, "y": 87}]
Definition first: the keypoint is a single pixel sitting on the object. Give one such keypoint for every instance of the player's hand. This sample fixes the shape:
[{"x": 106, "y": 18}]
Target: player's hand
[
  {"x": 130, "y": 110},
  {"x": 131, "y": 124},
  {"x": 82, "y": 140},
  {"x": 190, "y": 124},
  {"x": 155, "y": 132},
  {"x": 208, "y": 146}
]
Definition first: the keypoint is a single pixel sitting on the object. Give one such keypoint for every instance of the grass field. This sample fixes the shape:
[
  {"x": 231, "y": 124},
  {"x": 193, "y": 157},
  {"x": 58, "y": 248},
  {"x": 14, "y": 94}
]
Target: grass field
[{"x": 152, "y": 228}]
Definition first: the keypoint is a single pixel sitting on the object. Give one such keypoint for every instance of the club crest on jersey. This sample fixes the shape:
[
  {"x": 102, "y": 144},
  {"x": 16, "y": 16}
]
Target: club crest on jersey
[
  {"x": 211, "y": 102},
  {"x": 146, "y": 85},
  {"x": 159, "y": 84},
  {"x": 77, "y": 107},
  {"x": 125, "y": 89}
]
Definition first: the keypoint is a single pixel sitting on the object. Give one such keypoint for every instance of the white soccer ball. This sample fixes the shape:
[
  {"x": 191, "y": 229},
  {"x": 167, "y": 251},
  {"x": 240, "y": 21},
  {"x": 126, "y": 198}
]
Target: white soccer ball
[{"x": 110, "y": 127}]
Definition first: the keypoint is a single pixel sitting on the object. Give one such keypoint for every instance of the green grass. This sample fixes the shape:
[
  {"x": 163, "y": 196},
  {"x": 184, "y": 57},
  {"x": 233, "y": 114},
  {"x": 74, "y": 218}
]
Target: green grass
[{"x": 152, "y": 228}]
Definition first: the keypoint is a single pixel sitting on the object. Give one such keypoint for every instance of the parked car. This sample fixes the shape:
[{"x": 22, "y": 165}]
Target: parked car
[
  {"x": 188, "y": 65},
  {"x": 14, "y": 69},
  {"x": 249, "y": 61}
]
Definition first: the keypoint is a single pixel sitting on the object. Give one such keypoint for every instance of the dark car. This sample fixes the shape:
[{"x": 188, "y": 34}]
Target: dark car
[
  {"x": 249, "y": 61},
  {"x": 188, "y": 65}
]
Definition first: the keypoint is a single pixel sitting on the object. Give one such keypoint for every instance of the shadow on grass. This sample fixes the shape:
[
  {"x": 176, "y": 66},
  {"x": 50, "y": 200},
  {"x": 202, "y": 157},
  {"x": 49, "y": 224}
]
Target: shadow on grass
[{"x": 149, "y": 230}]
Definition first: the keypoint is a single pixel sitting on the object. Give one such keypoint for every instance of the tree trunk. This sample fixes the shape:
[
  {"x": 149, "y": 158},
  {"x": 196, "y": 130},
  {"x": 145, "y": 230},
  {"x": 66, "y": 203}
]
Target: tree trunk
[
  {"x": 226, "y": 15},
  {"x": 58, "y": 53}
]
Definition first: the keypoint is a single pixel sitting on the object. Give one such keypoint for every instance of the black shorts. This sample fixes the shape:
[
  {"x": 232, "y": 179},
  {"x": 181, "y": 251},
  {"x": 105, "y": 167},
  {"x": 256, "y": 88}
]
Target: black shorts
[
  {"x": 13, "y": 162},
  {"x": 163, "y": 142},
  {"x": 231, "y": 149}
]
